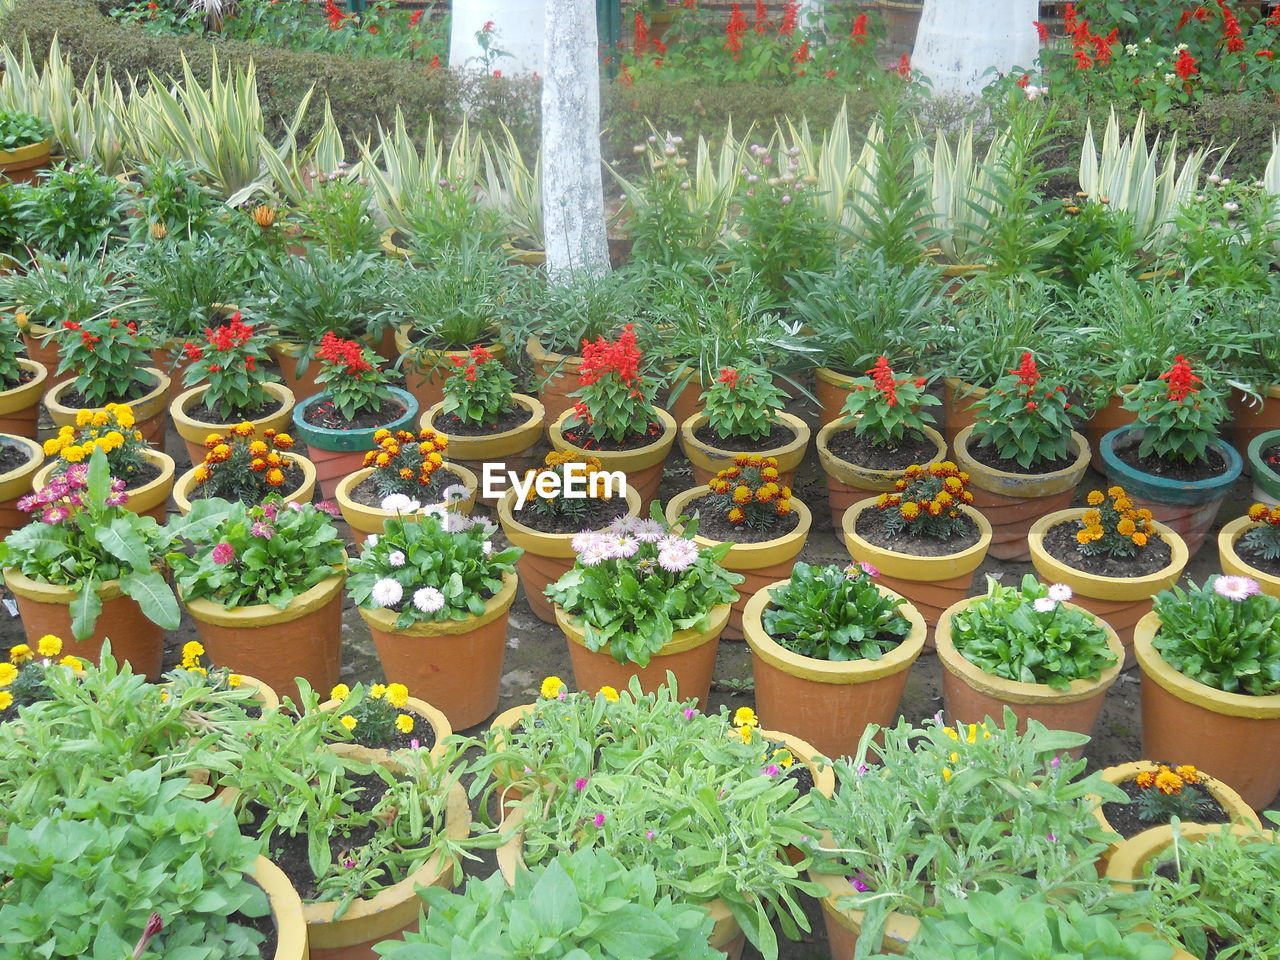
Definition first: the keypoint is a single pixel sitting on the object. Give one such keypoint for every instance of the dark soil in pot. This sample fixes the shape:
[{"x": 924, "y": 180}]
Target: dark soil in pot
[
  {"x": 24, "y": 376},
  {"x": 714, "y": 526},
  {"x": 1255, "y": 559},
  {"x": 1124, "y": 818},
  {"x": 594, "y": 515},
  {"x": 203, "y": 412},
  {"x": 915, "y": 448},
  {"x": 780, "y": 434},
  {"x": 1060, "y": 543},
  {"x": 265, "y": 925},
  {"x": 13, "y": 457},
  {"x": 324, "y": 414},
  {"x": 869, "y": 528},
  {"x": 581, "y": 437},
  {"x": 1213, "y": 464},
  {"x": 510, "y": 418},
  {"x": 988, "y": 456}
]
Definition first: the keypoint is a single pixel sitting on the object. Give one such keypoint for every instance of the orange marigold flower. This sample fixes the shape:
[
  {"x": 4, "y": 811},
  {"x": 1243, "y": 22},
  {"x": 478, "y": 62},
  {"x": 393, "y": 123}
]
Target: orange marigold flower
[
  {"x": 1146, "y": 779},
  {"x": 952, "y": 485},
  {"x": 1188, "y": 773},
  {"x": 1123, "y": 503},
  {"x": 1091, "y": 518},
  {"x": 283, "y": 441},
  {"x": 967, "y": 497},
  {"x": 406, "y": 473},
  {"x": 742, "y": 495},
  {"x": 203, "y": 473},
  {"x": 883, "y": 500},
  {"x": 1126, "y": 527},
  {"x": 243, "y": 429},
  {"x": 913, "y": 471},
  {"x": 1083, "y": 537},
  {"x": 381, "y": 434},
  {"x": 258, "y": 449},
  {"x": 909, "y": 510},
  {"x": 369, "y": 458},
  {"x": 1095, "y": 498},
  {"x": 1145, "y": 515},
  {"x": 382, "y": 460},
  {"x": 783, "y": 506},
  {"x": 1114, "y": 492},
  {"x": 944, "y": 498},
  {"x": 1168, "y": 782},
  {"x": 737, "y": 515},
  {"x": 900, "y": 484},
  {"x": 434, "y": 459},
  {"x": 212, "y": 440},
  {"x": 275, "y": 477},
  {"x": 1259, "y": 511},
  {"x": 257, "y": 464},
  {"x": 219, "y": 453},
  {"x": 769, "y": 473},
  {"x": 934, "y": 507},
  {"x": 1139, "y": 539},
  {"x": 742, "y": 459}
]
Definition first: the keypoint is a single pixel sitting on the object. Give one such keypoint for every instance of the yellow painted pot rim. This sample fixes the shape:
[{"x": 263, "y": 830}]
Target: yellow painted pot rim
[
  {"x": 748, "y": 556},
  {"x": 29, "y": 151},
  {"x": 302, "y": 493},
  {"x": 788, "y": 455},
  {"x": 1008, "y": 483},
  {"x": 546, "y": 544},
  {"x": 196, "y": 430},
  {"x": 495, "y": 607},
  {"x": 372, "y": 519},
  {"x": 1133, "y": 854},
  {"x": 834, "y": 377},
  {"x": 56, "y": 408},
  {"x": 926, "y": 568},
  {"x": 149, "y": 492},
  {"x": 264, "y": 614},
  {"x": 34, "y": 464},
  {"x": 1124, "y": 772},
  {"x": 639, "y": 458},
  {"x": 40, "y": 592},
  {"x": 1137, "y": 588},
  {"x": 1232, "y": 562},
  {"x": 439, "y": 723},
  {"x": 680, "y": 642},
  {"x": 504, "y": 443},
  {"x": 407, "y": 346},
  {"x": 1191, "y": 691},
  {"x": 845, "y": 472},
  {"x": 533, "y": 347},
  {"x": 286, "y": 909},
  {"x": 20, "y": 397},
  {"x": 770, "y": 651},
  {"x": 1016, "y": 691}
]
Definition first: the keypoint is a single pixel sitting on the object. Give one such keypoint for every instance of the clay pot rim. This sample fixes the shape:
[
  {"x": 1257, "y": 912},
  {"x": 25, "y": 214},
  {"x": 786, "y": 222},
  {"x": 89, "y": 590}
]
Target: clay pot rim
[
  {"x": 158, "y": 457},
  {"x": 1255, "y": 448},
  {"x": 789, "y": 455},
  {"x": 834, "y": 377},
  {"x": 35, "y": 462},
  {"x": 1191, "y": 691},
  {"x": 1112, "y": 465},
  {"x": 845, "y": 471},
  {"x": 899, "y": 929},
  {"x": 154, "y": 395},
  {"x": 1124, "y": 772},
  {"x": 535, "y": 351},
  {"x": 1017, "y": 691},
  {"x": 33, "y": 386},
  {"x": 495, "y": 607},
  {"x": 681, "y": 640},
  {"x": 438, "y": 722},
  {"x": 265, "y": 614},
  {"x": 842, "y": 672},
  {"x": 41, "y": 592},
  {"x": 196, "y": 430},
  {"x": 301, "y": 494},
  {"x": 550, "y": 544},
  {"x": 1004, "y": 481},
  {"x": 1227, "y": 538},
  {"x": 28, "y": 151},
  {"x": 963, "y": 389},
  {"x": 971, "y": 556},
  {"x": 536, "y": 416},
  {"x": 286, "y": 909},
  {"x": 1133, "y": 854},
  {"x": 749, "y": 556},
  {"x": 356, "y": 438},
  {"x": 638, "y": 458},
  {"x": 351, "y": 509},
  {"x": 1141, "y": 588},
  {"x": 408, "y": 347}
]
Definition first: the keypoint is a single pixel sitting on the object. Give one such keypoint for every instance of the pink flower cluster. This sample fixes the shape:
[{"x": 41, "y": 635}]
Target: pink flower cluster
[
  {"x": 64, "y": 495},
  {"x": 623, "y": 539}
]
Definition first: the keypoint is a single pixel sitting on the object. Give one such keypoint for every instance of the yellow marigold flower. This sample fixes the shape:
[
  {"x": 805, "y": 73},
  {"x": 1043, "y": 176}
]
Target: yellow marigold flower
[
  {"x": 882, "y": 500},
  {"x": 1114, "y": 492},
  {"x": 1168, "y": 782},
  {"x": 348, "y": 721},
  {"x": 124, "y": 416},
  {"x": 275, "y": 477},
  {"x": 382, "y": 460},
  {"x": 910, "y": 510},
  {"x": 100, "y": 418},
  {"x": 1140, "y": 539},
  {"x": 406, "y": 473},
  {"x": 259, "y": 448},
  {"x": 947, "y": 465},
  {"x": 397, "y": 695},
  {"x": 234, "y": 679},
  {"x": 434, "y": 459},
  {"x": 192, "y": 649},
  {"x": 380, "y": 434},
  {"x": 744, "y": 733},
  {"x": 769, "y": 473},
  {"x": 200, "y": 670},
  {"x": 1123, "y": 503},
  {"x": 8, "y": 672},
  {"x": 6, "y": 699},
  {"x": 49, "y": 645},
  {"x": 212, "y": 440},
  {"x": 551, "y": 687},
  {"x": 1146, "y": 779},
  {"x": 52, "y": 446},
  {"x": 1095, "y": 498},
  {"x": 609, "y": 693},
  {"x": 1083, "y": 537},
  {"x": 952, "y": 485},
  {"x": 943, "y": 498},
  {"x": 737, "y": 515},
  {"x": 914, "y": 470},
  {"x": 377, "y": 691},
  {"x": 203, "y": 473},
  {"x": 783, "y": 506},
  {"x": 73, "y": 662},
  {"x": 946, "y": 773},
  {"x": 1091, "y": 518},
  {"x": 282, "y": 441},
  {"x": 73, "y": 453},
  {"x": 84, "y": 418},
  {"x": 745, "y": 717},
  {"x": 1145, "y": 515},
  {"x": 404, "y": 723},
  {"x": 952, "y": 734},
  {"x": 1126, "y": 527},
  {"x": 243, "y": 429},
  {"x": 742, "y": 495},
  {"x": 1188, "y": 773},
  {"x": 219, "y": 453},
  {"x": 20, "y": 654},
  {"x": 340, "y": 692}
]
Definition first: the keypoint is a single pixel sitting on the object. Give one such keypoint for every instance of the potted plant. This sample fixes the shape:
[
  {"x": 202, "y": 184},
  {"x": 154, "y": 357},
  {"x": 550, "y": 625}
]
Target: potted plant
[
  {"x": 226, "y": 386},
  {"x": 1210, "y": 658},
  {"x": 1112, "y": 555},
  {"x": 88, "y": 568},
  {"x": 402, "y": 475},
  {"x": 20, "y": 460},
  {"x": 264, "y": 586},
  {"x": 742, "y": 413},
  {"x": 357, "y": 401},
  {"x": 435, "y": 593},
  {"x": 22, "y": 383},
  {"x": 830, "y": 653},
  {"x": 642, "y": 600},
  {"x": 919, "y": 811},
  {"x": 1249, "y": 546},
  {"x": 147, "y": 473},
  {"x": 881, "y": 430},
  {"x": 614, "y": 418},
  {"x": 1022, "y": 457},
  {"x": 1029, "y": 649},
  {"x": 246, "y": 468},
  {"x": 579, "y": 770},
  {"x": 110, "y": 361},
  {"x": 483, "y": 419},
  {"x": 24, "y": 145},
  {"x": 545, "y": 526},
  {"x": 1171, "y": 460},
  {"x": 747, "y": 507},
  {"x": 382, "y": 719},
  {"x": 584, "y": 885},
  {"x": 22, "y": 676},
  {"x": 1263, "y": 455},
  {"x": 925, "y": 539}
]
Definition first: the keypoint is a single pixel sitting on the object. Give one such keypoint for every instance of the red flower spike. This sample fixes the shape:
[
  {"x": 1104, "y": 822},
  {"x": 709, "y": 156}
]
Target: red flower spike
[{"x": 1180, "y": 381}]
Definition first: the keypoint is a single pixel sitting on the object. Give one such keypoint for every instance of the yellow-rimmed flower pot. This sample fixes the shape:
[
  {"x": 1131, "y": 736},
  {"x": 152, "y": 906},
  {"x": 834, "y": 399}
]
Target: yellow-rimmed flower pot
[
  {"x": 557, "y": 376},
  {"x": 761, "y": 563},
  {"x": 1121, "y": 602},
  {"x": 22, "y": 164},
  {"x": 194, "y": 432},
  {"x": 286, "y": 910},
  {"x": 689, "y": 654},
  {"x": 43, "y": 349},
  {"x": 931, "y": 583},
  {"x": 1014, "y": 501},
  {"x": 642, "y": 466},
  {"x": 1234, "y": 565},
  {"x": 455, "y": 664},
  {"x": 960, "y": 406},
  {"x": 1228, "y": 733},
  {"x": 365, "y": 520},
  {"x": 971, "y": 695},
  {"x": 709, "y": 459},
  {"x": 510, "y": 449},
  {"x": 20, "y": 405},
  {"x": 302, "y": 493},
  {"x": 547, "y": 556},
  {"x": 847, "y": 483},
  {"x": 148, "y": 410},
  {"x": 827, "y": 703},
  {"x": 832, "y": 390},
  {"x": 419, "y": 710},
  {"x": 426, "y": 369},
  {"x": 18, "y": 482},
  {"x": 278, "y": 646},
  {"x": 149, "y": 500}
]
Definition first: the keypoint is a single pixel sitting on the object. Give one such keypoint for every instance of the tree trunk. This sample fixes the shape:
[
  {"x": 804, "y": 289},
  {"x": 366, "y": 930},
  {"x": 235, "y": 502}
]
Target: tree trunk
[{"x": 959, "y": 40}]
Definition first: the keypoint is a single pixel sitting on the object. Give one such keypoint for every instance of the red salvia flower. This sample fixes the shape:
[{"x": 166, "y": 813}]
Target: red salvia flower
[
  {"x": 1266, "y": 54},
  {"x": 1028, "y": 375},
  {"x": 790, "y": 14},
  {"x": 904, "y": 66},
  {"x": 620, "y": 358},
  {"x": 734, "y": 29},
  {"x": 1180, "y": 381},
  {"x": 1185, "y": 66},
  {"x": 1041, "y": 31},
  {"x": 728, "y": 375},
  {"x": 641, "y": 34},
  {"x": 761, "y": 17},
  {"x": 1083, "y": 60},
  {"x": 882, "y": 377},
  {"x": 335, "y": 16},
  {"x": 415, "y": 17},
  {"x": 802, "y": 53},
  {"x": 859, "y": 32},
  {"x": 347, "y": 353},
  {"x": 434, "y": 64}
]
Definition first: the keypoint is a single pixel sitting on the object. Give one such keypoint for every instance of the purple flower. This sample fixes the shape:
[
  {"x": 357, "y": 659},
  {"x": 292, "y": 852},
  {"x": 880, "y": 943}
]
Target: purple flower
[
  {"x": 870, "y": 569},
  {"x": 117, "y": 485},
  {"x": 599, "y": 820},
  {"x": 349, "y": 863},
  {"x": 1052, "y": 838},
  {"x": 414, "y": 743},
  {"x": 56, "y": 514},
  {"x": 264, "y": 530},
  {"x": 689, "y": 712},
  {"x": 862, "y": 769},
  {"x": 772, "y": 770},
  {"x": 859, "y": 881},
  {"x": 57, "y": 488},
  {"x": 580, "y": 783},
  {"x": 269, "y": 510},
  {"x": 648, "y": 531},
  {"x": 75, "y": 500},
  {"x": 223, "y": 553},
  {"x": 622, "y": 548},
  {"x": 28, "y": 503},
  {"x": 1055, "y": 763},
  {"x": 117, "y": 499},
  {"x": 1235, "y": 588}
]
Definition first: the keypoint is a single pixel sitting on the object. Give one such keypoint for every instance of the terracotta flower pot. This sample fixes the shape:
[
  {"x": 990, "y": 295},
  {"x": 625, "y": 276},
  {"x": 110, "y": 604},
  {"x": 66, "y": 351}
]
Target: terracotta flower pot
[
  {"x": 689, "y": 401},
  {"x": 20, "y": 405},
  {"x": 425, "y": 376},
  {"x": 708, "y": 459},
  {"x": 689, "y": 654},
  {"x": 23, "y": 164},
  {"x": 194, "y": 432},
  {"x": 1227, "y": 733},
  {"x": 337, "y": 453},
  {"x": 547, "y": 556},
  {"x": 1266, "y": 481},
  {"x": 17, "y": 483},
  {"x": 510, "y": 449},
  {"x": 149, "y": 500},
  {"x": 303, "y": 640},
  {"x": 557, "y": 376},
  {"x": 959, "y": 406},
  {"x": 42, "y": 348},
  {"x": 1119, "y": 601},
  {"x": 365, "y": 520},
  {"x": 148, "y": 410},
  {"x": 847, "y": 483},
  {"x": 827, "y": 703},
  {"x": 832, "y": 390},
  {"x": 1110, "y": 416},
  {"x": 456, "y": 665},
  {"x": 1188, "y": 507},
  {"x": 642, "y": 466},
  {"x": 1231, "y": 562},
  {"x": 931, "y": 583},
  {"x": 1251, "y": 418},
  {"x": 421, "y": 711},
  {"x": 1014, "y": 501},
  {"x": 844, "y": 924},
  {"x": 286, "y": 910},
  {"x": 971, "y": 695},
  {"x": 185, "y": 484},
  {"x": 761, "y": 563},
  {"x": 46, "y": 608}
]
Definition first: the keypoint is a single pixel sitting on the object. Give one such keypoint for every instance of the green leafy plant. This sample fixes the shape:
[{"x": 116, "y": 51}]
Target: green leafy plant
[
  {"x": 1177, "y": 413},
  {"x": 633, "y": 585},
  {"x": 85, "y": 538},
  {"x": 1225, "y": 634},
  {"x": 1228, "y": 232},
  {"x": 927, "y": 502},
  {"x": 21, "y": 130},
  {"x": 834, "y": 613},
  {"x": 439, "y": 567},
  {"x": 615, "y": 399},
  {"x": 244, "y": 556},
  {"x": 54, "y": 291},
  {"x": 666, "y": 222},
  {"x": 576, "y": 307},
  {"x": 1029, "y": 634},
  {"x": 743, "y": 403},
  {"x": 371, "y": 715},
  {"x": 72, "y": 211},
  {"x": 22, "y": 676},
  {"x": 884, "y": 407},
  {"x": 172, "y": 202},
  {"x": 109, "y": 357},
  {"x": 352, "y": 379},
  {"x": 1265, "y": 537},
  {"x": 12, "y": 372},
  {"x": 337, "y": 213},
  {"x": 479, "y": 389},
  {"x": 1024, "y": 417},
  {"x": 228, "y": 361},
  {"x": 586, "y": 904}
]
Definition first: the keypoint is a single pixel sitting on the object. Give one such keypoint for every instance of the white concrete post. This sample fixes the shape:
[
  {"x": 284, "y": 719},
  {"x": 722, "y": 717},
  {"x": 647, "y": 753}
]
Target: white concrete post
[{"x": 959, "y": 40}]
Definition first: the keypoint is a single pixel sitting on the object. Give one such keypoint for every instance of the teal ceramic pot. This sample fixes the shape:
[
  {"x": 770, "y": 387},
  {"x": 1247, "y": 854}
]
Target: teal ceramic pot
[
  {"x": 1266, "y": 482},
  {"x": 337, "y": 453}
]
